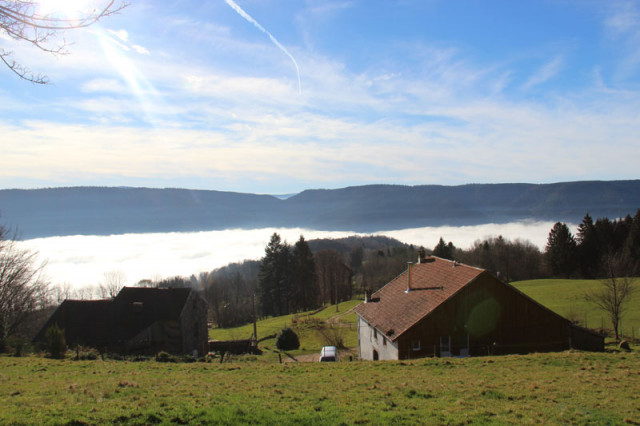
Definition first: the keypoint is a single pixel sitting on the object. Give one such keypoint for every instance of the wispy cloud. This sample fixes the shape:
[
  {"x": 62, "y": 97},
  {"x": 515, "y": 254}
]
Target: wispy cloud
[
  {"x": 255, "y": 23},
  {"x": 622, "y": 23},
  {"x": 544, "y": 73},
  {"x": 103, "y": 85}
]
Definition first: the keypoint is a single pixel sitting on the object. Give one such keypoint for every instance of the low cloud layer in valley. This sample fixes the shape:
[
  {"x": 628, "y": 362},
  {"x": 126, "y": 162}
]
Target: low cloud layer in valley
[{"x": 82, "y": 261}]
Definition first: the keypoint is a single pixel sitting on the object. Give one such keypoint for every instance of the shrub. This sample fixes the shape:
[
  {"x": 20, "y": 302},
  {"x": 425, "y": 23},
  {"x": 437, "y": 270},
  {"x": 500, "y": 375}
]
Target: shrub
[
  {"x": 163, "y": 356},
  {"x": 287, "y": 340},
  {"x": 86, "y": 354},
  {"x": 56, "y": 344}
]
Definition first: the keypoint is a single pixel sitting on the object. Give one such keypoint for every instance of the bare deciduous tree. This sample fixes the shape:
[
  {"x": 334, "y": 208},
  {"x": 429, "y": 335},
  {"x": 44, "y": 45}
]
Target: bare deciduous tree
[
  {"x": 615, "y": 290},
  {"x": 21, "y": 285},
  {"x": 112, "y": 284},
  {"x": 22, "y": 21}
]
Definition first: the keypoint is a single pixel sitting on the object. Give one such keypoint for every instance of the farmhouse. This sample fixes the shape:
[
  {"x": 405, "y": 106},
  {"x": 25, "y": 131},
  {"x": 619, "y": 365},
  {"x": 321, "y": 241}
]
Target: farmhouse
[
  {"x": 137, "y": 320},
  {"x": 443, "y": 308}
]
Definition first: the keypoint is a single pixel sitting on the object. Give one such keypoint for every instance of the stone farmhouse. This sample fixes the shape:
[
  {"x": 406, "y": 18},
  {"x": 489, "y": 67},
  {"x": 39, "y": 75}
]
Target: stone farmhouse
[
  {"x": 443, "y": 308},
  {"x": 137, "y": 321}
]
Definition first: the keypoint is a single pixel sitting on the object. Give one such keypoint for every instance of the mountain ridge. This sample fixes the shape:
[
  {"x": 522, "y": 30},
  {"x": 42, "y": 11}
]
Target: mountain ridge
[{"x": 88, "y": 210}]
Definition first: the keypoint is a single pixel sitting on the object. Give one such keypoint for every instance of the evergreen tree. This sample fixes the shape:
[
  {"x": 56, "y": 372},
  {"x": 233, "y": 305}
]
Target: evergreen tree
[
  {"x": 605, "y": 233},
  {"x": 589, "y": 254},
  {"x": 443, "y": 250},
  {"x": 305, "y": 292},
  {"x": 632, "y": 243},
  {"x": 561, "y": 250},
  {"x": 274, "y": 279}
]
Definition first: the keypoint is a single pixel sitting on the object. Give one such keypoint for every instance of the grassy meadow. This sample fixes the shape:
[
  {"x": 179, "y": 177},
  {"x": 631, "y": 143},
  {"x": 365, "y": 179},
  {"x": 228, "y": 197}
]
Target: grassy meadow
[
  {"x": 305, "y": 324},
  {"x": 567, "y": 387},
  {"x": 566, "y": 297}
]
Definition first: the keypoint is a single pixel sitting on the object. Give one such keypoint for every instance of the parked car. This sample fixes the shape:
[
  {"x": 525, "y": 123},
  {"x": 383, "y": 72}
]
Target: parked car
[{"x": 328, "y": 354}]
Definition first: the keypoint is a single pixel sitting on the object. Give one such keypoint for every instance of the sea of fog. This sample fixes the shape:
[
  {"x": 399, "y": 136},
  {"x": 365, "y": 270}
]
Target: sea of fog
[{"x": 83, "y": 261}]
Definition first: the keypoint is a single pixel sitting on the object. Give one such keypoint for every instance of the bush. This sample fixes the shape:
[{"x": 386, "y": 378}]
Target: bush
[
  {"x": 56, "y": 344},
  {"x": 163, "y": 356},
  {"x": 86, "y": 354},
  {"x": 287, "y": 340}
]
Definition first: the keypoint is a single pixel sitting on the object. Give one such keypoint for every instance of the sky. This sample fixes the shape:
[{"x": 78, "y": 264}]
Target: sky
[{"x": 278, "y": 96}]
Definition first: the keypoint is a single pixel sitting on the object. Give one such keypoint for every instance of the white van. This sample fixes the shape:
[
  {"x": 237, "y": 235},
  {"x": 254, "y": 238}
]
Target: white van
[{"x": 328, "y": 354}]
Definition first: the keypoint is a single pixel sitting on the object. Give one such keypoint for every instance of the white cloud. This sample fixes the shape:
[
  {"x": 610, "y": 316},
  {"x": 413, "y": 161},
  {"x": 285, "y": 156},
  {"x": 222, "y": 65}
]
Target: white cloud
[
  {"x": 103, "y": 85},
  {"x": 140, "y": 49},
  {"x": 123, "y": 35},
  {"x": 544, "y": 73},
  {"x": 83, "y": 260}
]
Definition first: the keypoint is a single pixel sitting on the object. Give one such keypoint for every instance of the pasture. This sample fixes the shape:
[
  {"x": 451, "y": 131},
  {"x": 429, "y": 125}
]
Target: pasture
[
  {"x": 305, "y": 324},
  {"x": 566, "y": 297},
  {"x": 567, "y": 387}
]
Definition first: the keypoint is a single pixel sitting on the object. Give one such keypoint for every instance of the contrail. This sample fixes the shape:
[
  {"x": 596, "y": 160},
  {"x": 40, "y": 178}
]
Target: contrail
[{"x": 248, "y": 17}]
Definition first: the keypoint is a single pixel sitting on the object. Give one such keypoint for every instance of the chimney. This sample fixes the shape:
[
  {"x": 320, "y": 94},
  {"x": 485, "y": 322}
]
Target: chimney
[
  {"x": 367, "y": 296},
  {"x": 410, "y": 264}
]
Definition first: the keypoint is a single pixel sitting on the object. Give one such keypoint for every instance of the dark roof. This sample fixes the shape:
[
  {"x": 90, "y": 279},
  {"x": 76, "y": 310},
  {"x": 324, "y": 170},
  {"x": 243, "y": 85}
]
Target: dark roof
[
  {"x": 87, "y": 320},
  {"x": 137, "y": 308},
  {"x": 108, "y": 322},
  {"x": 393, "y": 310}
]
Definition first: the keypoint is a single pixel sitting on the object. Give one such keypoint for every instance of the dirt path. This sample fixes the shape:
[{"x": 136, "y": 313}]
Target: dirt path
[
  {"x": 336, "y": 318},
  {"x": 303, "y": 358}
]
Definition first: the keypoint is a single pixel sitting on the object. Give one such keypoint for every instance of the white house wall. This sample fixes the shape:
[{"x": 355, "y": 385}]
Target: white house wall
[{"x": 370, "y": 340}]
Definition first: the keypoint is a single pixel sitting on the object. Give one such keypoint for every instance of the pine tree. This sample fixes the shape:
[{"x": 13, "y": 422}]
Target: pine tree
[
  {"x": 304, "y": 292},
  {"x": 561, "y": 250},
  {"x": 443, "y": 250},
  {"x": 274, "y": 279},
  {"x": 632, "y": 243},
  {"x": 589, "y": 254}
]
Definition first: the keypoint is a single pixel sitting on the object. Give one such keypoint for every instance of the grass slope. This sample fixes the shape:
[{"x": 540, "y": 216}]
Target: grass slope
[
  {"x": 568, "y": 387},
  {"x": 566, "y": 297},
  {"x": 310, "y": 339}
]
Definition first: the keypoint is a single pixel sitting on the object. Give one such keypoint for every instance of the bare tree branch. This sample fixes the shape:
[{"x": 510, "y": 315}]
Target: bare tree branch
[
  {"x": 22, "y": 287},
  {"x": 615, "y": 290},
  {"x": 20, "y": 20}
]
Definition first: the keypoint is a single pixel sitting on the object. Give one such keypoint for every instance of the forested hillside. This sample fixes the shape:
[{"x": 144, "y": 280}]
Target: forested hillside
[{"x": 104, "y": 211}]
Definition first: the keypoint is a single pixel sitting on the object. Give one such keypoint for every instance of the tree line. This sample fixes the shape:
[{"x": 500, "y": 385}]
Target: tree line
[{"x": 590, "y": 252}]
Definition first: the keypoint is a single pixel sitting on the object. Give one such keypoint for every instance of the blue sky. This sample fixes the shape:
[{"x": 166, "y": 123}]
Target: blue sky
[{"x": 276, "y": 96}]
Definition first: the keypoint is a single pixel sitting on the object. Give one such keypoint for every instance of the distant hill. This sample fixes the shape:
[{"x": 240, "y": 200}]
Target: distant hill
[{"x": 371, "y": 208}]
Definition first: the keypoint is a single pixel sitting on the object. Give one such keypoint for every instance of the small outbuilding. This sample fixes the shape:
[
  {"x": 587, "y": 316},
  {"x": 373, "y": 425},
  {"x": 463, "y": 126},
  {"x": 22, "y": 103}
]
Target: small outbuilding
[
  {"x": 443, "y": 308},
  {"x": 137, "y": 320}
]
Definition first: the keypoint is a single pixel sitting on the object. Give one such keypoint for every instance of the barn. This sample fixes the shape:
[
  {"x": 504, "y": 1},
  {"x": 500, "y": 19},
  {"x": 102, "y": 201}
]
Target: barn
[
  {"x": 137, "y": 320},
  {"x": 439, "y": 307}
]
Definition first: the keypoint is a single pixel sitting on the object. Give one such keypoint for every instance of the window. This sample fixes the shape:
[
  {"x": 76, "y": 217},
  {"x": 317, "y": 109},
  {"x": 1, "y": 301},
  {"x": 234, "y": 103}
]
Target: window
[
  {"x": 415, "y": 345},
  {"x": 384, "y": 342},
  {"x": 375, "y": 334}
]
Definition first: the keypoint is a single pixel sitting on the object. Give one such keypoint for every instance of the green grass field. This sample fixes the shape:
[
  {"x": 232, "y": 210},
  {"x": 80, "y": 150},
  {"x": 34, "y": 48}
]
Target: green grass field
[
  {"x": 311, "y": 340},
  {"x": 568, "y": 387},
  {"x": 566, "y": 297}
]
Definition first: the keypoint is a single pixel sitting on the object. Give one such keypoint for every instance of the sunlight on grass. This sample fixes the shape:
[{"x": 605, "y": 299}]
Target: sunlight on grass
[
  {"x": 566, "y": 297},
  {"x": 310, "y": 339},
  {"x": 567, "y": 387}
]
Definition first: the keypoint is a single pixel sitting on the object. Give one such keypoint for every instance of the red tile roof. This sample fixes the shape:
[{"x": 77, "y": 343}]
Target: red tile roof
[{"x": 393, "y": 311}]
